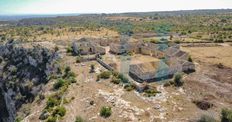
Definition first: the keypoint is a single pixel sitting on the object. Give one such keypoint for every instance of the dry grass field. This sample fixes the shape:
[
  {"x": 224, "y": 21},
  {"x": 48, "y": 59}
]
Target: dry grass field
[{"x": 213, "y": 55}]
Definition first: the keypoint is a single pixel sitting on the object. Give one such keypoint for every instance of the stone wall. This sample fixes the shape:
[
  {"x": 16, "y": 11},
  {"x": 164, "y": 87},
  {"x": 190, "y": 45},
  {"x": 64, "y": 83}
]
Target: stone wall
[{"x": 104, "y": 64}]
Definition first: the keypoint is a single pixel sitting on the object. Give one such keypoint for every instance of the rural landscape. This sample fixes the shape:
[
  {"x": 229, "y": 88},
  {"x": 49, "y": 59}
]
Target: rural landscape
[{"x": 167, "y": 66}]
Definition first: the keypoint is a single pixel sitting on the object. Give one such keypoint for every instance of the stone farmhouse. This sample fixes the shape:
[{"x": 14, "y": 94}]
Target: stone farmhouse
[
  {"x": 85, "y": 46},
  {"x": 174, "y": 61},
  {"x": 151, "y": 71},
  {"x": 171, "y": 58},
  {"x": 139, "y": 48}
]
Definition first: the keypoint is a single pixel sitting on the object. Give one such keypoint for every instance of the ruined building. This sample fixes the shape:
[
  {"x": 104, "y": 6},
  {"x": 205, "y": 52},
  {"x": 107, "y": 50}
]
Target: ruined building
[{"x": 85, "y": 46}]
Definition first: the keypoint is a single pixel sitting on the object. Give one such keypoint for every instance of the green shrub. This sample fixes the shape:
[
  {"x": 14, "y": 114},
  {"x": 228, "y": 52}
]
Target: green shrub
[
  {"x": 59, "y": 84},
  {"x": 71, "y": 80},
  {"x": 169, "y": 83},
  {"x": 130, "y": 53},
  {"x": 190, "y": 59},
  {"x": 129, "y": 87},
  {"x": 18, "y": 119},
  {"x": 116, "y": 74},
  {"x": 52, "y": 101},
  {"x": 105, "y": 112},
  {"x": 206, "y": 118},
  {"x": 105, "y": 75},
  {"x": 219, "y": 41},
  {"x": 92, "y": 68},
  {"x": 69, "y": 75},
  {"x": 178, "y": 79},
  {"x": 67, "y": 69},
  {"x": 91, "y": 102},
  {"x": 51, "y": 119},
  {"x": 123, "y": 78},
  {"x": 177, "y": 41},
  {"x": 69, "y": 50},
  {"x": 154, "y": 41},
  {"x": 79, "y": 119},
  {"x": 226, "y": 115},
  {"x": 1, "y": 60},
  {"x": 56, "y": 48},
  {"x": 60, "y": 110},
  {"x": 78, "y": 59},
  {"x": 151, "y": 92},
  {"x": 115, "y": 80}
]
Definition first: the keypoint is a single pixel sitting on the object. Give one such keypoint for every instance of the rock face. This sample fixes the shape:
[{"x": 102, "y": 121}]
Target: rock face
[{"x": 23, "y": 71}]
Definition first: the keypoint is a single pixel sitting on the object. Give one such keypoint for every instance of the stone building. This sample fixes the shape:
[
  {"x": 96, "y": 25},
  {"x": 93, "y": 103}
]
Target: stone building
[
  {"x": 149, "y": 72},
  {"x": 172, "y": 60},
  {"x": 85, "y": 46}
]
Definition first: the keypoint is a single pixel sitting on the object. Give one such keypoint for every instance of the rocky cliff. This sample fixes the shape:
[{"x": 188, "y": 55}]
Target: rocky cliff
[{"x": 24, "y": 69}]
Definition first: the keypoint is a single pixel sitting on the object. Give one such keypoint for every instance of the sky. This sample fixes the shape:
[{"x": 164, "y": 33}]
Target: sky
[{"x": 105, "y": 6}]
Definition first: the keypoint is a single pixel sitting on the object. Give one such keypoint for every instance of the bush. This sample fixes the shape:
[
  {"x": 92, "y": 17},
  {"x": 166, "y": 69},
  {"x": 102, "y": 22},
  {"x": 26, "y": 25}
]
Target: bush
[
  {"x": 69, "y": 50},
  {"x": 129, "y": 87},
  {"x": 1, "y": 60},
  {"x": 105, "y": 75},
  {"x": 190, "y": 59},
  {"x": 59, "y": 84},
  {"x": 92, "y": 68},
  {"x": 71, "y": 80},
  {"x": 91, "y": 102},
  {"x": 219, "y": 41},
  {"x": 178, "y": 79},
  {"x": 52, "y": 101},
  {"x": 169, "y": 83},
  {"x": 69, "y": 75},
  {"x": 177, "y": 41},
  {"x": 220, "y": 65},
  {"x": 202, "y": 104},
  {"x": 226, "y": 115},
  {"x": 67, "y": 69},
  {"x": 123, "y": 78},
  {"x": 154, "y": 41},
  {"x": 78, "y": 59},
  {"x": 60, "y": 110},
  {"x": 206, "y": 118},
  {"x": 151, "y": 92},
  {"x": 51, "y": 119},
  {"x": 18, "y": 119},
  {"x": 115, "y": 80},
  {"x": 56, "y": 48},
  {"x": 116, "y": 74},
  {"x": 130, "y": 53},
  {"x": 79, "y": 119},
  {"x": 105, "y": 112}
]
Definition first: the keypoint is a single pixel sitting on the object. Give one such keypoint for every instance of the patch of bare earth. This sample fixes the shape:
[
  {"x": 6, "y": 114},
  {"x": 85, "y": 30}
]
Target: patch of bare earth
[{"x": 212, "y": 80}]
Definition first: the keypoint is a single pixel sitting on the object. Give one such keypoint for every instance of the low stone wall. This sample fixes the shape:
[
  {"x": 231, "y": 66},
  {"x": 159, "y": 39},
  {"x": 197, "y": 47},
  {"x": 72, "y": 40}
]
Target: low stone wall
[
  {"x": 87, "y": 59},
  {"x": 104, "y": 64},
  {"x": 200, "y": 45}
]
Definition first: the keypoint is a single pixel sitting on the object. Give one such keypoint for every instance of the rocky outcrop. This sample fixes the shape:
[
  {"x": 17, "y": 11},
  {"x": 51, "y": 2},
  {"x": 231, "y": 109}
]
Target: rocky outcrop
[{"x": 23, "y": 71}]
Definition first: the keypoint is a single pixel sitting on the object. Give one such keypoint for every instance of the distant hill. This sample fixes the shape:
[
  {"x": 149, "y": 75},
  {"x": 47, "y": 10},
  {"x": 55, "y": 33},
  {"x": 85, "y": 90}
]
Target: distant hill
[
  {"x": 19, "y": 17},
  {"x": 179, "y": 12},
  {"x": 135, "y": 14}
]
